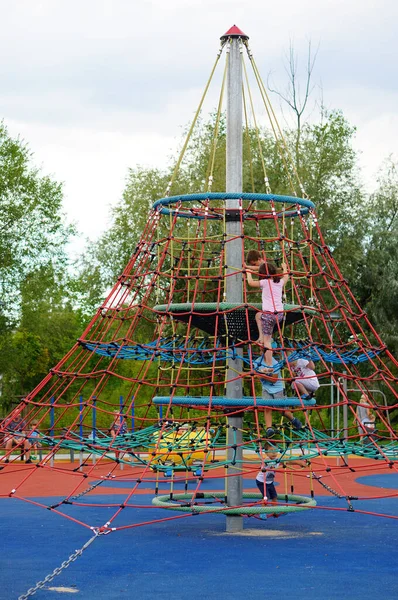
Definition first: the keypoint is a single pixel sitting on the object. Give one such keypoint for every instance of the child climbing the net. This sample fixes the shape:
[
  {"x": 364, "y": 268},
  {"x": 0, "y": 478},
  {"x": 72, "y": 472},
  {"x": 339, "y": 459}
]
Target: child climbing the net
[
  {"x": 271, "y": 282},
  {"x": 275, "y": 390},
  {"x": 254, "y": 260}
]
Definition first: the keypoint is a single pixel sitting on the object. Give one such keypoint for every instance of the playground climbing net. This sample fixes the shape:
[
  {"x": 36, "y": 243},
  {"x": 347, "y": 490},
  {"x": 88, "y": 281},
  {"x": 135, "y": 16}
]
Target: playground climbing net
[{"x": 142, "y": 398}]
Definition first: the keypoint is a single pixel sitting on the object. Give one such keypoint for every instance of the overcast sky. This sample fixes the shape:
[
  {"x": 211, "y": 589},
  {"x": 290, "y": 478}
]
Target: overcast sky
[{"x": 97, "y": 86}]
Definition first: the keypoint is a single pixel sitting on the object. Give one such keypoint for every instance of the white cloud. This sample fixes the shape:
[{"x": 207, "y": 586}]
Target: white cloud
[{"x": 96, "y": 86}]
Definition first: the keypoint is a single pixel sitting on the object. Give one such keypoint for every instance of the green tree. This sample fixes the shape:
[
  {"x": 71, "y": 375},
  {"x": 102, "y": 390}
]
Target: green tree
[
  {"x": 377, "y": 277},
  {"x": 37, "y": 324},
  {"x": 32, "y": 228},
  {"x": 24, "y": 361},
  {"x": 328, "y": 171},
  {"x": 48, "y": 326}
]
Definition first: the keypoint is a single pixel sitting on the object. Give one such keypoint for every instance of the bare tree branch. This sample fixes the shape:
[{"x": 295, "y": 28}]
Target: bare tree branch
[{"x": 292, "y": 96}]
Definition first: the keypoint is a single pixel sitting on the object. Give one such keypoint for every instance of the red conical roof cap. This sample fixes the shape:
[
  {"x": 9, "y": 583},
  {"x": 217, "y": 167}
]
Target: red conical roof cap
[{"x": 235, "y": 32}]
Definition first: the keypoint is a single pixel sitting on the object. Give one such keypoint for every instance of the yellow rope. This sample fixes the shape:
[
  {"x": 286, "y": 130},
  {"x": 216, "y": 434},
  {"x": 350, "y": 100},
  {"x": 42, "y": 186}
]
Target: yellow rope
[
  {"x": 266, "y": 180},
  {"x": 247, "y": 136},
  {"x": 269, "y": 113},
  {"x": 291, "y": 253},
  {"x": 176, "y": 168},
  {"x": 189, "y": 261},
  {"x": 267, "y": 101},
  {"x": 216, "y": 127}
]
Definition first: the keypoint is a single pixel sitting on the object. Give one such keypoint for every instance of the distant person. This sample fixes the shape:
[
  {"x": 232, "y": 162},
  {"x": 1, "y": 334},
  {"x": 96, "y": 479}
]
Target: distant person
[
  {"x": 15, "y": 427},
  {"x": 271, "y": 282},
  {"x": 366, "y": 417},
  {"x": 34, "y": 438},
  {"x": 118, "y": 428},
  {"x": 119, "y": 425}
]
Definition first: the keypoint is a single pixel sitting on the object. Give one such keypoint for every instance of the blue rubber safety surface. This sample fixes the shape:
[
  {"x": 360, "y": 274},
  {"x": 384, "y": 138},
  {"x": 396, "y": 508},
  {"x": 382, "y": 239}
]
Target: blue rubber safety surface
[
  {"x": 385, "y": 481},
  {"x": 308, "y": 555}
]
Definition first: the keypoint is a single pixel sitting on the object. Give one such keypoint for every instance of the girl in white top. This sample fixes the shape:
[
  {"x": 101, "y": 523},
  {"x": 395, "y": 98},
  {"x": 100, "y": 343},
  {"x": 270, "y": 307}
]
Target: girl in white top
[
  {"x": 306, "y": 381},
  {"x": 271, "y": 283}
]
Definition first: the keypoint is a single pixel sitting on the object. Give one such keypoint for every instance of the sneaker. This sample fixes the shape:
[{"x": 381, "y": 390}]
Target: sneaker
[
  {"x": 270, "y": 432},
  {"x": 28, "y": 461},
  {"x": 6, "y": 460},
  {"x": 297, "y": 424}
]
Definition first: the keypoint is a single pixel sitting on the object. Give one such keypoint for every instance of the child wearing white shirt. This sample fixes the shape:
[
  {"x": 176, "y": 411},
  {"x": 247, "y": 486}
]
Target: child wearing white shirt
[
  {"x": 265, "y": 479},
  {"x": 305, "y": 381}
]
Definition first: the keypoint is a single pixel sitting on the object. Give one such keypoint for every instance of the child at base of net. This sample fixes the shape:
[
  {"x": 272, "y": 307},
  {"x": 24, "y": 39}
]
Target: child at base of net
[
  {"x": 271, "y": 282},
  {"x": 265, "y": 478}
]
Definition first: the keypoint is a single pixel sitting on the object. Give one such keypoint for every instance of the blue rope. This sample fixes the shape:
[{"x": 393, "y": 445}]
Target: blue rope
[
  {"x": 163, "y": 202},
  {"x": 193, "y": 352},
  {"x": 223, "y": 401}
]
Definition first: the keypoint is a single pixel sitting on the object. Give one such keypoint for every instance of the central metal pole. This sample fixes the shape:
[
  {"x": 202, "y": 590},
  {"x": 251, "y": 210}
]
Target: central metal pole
[{"x": 234, "y": 287}]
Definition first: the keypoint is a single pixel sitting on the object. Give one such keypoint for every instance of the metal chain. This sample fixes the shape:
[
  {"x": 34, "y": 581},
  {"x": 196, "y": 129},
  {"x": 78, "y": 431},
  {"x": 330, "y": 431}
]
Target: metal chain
[
  {"x": 332, "y": 491},
  {"x": 92, "y": 487},
  {"x": 40, "y": 584},
  {"x": 324, "y": 485},
  {"x": 83, "y": 493}
]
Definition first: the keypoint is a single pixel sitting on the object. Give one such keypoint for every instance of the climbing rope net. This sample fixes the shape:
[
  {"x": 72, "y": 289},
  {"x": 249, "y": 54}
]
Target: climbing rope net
[{"x": 160, "y": 346}]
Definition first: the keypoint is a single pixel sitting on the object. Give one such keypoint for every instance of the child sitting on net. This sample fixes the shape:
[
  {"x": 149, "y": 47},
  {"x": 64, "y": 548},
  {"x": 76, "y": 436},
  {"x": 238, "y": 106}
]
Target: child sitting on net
[
  {"x": 305, "y": 381},
  {"x": 271, "y": 282}
]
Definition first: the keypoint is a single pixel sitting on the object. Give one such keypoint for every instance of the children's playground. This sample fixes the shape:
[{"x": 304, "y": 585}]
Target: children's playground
[{"x": 225, "y": 426}]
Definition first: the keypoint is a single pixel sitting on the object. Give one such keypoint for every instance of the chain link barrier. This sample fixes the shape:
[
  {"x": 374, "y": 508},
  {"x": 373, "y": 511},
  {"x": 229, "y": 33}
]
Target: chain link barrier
[
  {"x": 332, "y": 491},
  {"x": 40, "y": 584}
]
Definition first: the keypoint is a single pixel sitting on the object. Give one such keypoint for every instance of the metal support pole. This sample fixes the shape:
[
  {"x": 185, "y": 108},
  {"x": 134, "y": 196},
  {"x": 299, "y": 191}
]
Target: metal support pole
[{"x": 233, "y": 284}]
